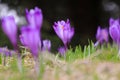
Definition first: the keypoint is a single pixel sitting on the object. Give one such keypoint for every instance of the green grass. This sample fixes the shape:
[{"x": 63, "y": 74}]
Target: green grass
[{"x": 52, "y": 67}]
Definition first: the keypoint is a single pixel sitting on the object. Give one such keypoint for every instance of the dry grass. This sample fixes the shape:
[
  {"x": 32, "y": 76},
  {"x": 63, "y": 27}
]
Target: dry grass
[{"x": 57, "y": 69}]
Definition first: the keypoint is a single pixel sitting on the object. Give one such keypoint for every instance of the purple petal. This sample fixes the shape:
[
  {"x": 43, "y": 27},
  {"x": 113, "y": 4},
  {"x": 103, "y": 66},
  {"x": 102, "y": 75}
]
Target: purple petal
[
  {"x": 71, "y": 33},
  {"x": 98, "y": 35},
  {"x": 111, "y": 21},
  {"x": 105, "y": 34},
  {"x": 59, "y": 31}
]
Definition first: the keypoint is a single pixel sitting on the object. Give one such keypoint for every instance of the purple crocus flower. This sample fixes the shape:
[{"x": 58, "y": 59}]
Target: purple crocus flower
[
  {"x": 62, "y": 51},
  {"x": 46, "y": 45},
  {"x": 101, "y": 36},
  {"x": 34, "y": 17},
  {"x": 10, "y": 29},
  {"x": 64, "y": 31},
  {"x": 114, "y": 30},
  {"x": 31, "y": 39}
]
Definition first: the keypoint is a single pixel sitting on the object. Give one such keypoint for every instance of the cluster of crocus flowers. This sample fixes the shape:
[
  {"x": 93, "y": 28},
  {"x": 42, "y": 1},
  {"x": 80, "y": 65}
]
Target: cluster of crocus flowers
[
  {"x": 65, "y": 32},
  {"x": 114, "y": 31},
  {"x": 101, "y": 36},
  {"x": 31, "y": 34}
]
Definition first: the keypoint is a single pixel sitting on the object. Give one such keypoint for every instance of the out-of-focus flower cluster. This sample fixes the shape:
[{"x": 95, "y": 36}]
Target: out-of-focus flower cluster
[
  {"x": 30, "y": 34},
  {"x": 102, "y": 35}
]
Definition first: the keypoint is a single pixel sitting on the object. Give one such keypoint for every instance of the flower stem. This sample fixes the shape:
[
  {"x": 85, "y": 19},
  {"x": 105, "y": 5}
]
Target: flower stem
[
  {"x": 19, "y": 63},
  {"x": 36, "y": 66},
  {"x": 66, "y": 48},
  {"x": 4, "y": 60}
]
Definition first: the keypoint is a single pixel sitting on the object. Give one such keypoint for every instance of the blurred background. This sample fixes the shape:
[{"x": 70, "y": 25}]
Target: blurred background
[{"x": 85, "y": 16}]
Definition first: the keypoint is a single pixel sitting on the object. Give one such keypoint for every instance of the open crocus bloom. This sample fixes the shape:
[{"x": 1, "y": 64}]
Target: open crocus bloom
[
  {"x": 64, "y": 31},
  {"x": 46, "y": 45},
  {"x": 31, "y": 39},
  {"x": 10, "y": 29},
  {"x": 114, "y": 30},
  {"x": 34, "y": 17}
]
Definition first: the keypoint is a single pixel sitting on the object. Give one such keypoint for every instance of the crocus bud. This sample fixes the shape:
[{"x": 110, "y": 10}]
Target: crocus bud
[
  {"x": 102, "y": 35},
  {"x": 114, "y": 30},
  {"x": 46, "y": 45},
  {"x": 10, "y": 29},
  {"x": 34, "y": 17},
  {"x": 31, "y": 39},
  {"x": 62, "y": 51}
]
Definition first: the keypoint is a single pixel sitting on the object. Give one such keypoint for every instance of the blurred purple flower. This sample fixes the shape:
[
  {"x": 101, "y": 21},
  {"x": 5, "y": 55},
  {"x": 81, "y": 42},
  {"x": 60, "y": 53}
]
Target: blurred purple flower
[
  {"x": 10, "y": 29},
  {"x": 114, "y": 30},
  {"x": 34, "y": 17},
  {"x": 6, "y": 52},
  {"x": 64, "y": 31},
  {"x": 46, "y": 45},
  {"x": 31, "y": 39},
  {"x": 62, "y": 50},
  {"x": 101, "y": 36}
]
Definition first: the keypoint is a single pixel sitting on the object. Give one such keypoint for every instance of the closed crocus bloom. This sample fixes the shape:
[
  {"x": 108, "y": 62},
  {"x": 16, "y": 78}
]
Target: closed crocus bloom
[
  {"x": 46, "y": 45},
  {"x": 62, "y": 51},
  {"x": 34, "y": 17},
  {"x": 10, "y": 29},
  {"x": 102, "y": 35},
  {"x": 114, "y": 30},
  {"x": 31, "y": 39},
  {"x": 64, "y": 31}
]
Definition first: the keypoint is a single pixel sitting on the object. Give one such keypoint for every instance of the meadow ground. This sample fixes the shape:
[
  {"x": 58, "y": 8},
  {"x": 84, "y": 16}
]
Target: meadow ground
[{"x": 101, "y": 63}]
